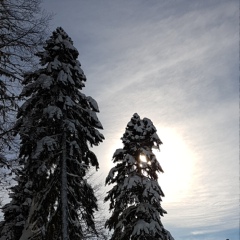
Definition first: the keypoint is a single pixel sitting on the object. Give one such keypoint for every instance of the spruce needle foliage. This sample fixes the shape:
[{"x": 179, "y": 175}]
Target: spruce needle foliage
[{"x": 135, "y": 199}]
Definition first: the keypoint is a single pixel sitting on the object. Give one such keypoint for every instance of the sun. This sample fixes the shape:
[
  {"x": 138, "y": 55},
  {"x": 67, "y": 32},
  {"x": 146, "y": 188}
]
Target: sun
[
  {"x": 143, "y": 158},
  {"x": 177, "y": 160}
]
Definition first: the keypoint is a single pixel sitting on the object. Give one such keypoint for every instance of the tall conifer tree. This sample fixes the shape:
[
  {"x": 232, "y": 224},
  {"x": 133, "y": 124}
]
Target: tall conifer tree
[
  {"x": 136, "y": 196},
  {"x": 57, "y": 124}
]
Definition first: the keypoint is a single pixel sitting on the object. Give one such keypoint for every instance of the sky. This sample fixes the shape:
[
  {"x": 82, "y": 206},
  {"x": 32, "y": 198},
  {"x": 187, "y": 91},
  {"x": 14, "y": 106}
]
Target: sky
[{"x": 177, "y": 63}]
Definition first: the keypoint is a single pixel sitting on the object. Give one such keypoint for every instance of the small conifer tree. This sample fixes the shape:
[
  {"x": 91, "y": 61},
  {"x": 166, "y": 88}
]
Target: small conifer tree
[
  {"x": 57, "y": 124},
  {"x": 136, "y": 196}
]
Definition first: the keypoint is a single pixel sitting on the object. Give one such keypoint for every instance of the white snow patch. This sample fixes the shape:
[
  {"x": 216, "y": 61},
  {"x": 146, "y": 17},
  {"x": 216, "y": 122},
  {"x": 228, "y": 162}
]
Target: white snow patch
[{"x": 93, "y": 104}]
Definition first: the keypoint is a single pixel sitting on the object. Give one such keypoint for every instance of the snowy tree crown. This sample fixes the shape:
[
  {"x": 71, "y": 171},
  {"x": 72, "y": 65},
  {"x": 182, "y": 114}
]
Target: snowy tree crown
[
  {"x": 139, "y": 133},
  {"x": 59, "y": 42}
]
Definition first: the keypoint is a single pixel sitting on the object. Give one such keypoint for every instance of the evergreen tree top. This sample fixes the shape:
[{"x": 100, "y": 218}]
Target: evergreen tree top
[
  {"x": 140, "y": 133},
  {"x": 57, "y": 86},
  {"x": 59, "y": 60},
  {"x": 58, "y": 44}
]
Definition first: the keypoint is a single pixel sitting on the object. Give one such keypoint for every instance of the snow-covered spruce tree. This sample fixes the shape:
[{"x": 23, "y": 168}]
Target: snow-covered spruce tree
[
  {"x": 136, "y": 195},
  {"x": 57, "y": 124}
]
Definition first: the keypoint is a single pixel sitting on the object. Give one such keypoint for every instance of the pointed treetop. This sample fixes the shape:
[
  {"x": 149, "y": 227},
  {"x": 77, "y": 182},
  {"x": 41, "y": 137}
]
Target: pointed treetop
[
  {"x": 58, "y": 44},
  {"x": 140, "y": 132}
]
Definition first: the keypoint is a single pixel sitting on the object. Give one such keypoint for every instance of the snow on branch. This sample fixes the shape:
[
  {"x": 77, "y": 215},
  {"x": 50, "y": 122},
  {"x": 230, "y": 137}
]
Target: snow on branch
[{"x": 46, "y": 143}]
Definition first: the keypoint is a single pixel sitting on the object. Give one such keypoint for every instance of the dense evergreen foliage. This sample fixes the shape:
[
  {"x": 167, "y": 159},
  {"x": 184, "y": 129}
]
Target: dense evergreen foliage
[
  {"x": 135, "y": 198},
  {"x": 57, "y": 124}
]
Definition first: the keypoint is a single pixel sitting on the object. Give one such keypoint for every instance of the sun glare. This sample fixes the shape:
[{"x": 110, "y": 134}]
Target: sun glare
[
  {"x": 177, "y": 161},
  {"x": 143, "y": 158}
]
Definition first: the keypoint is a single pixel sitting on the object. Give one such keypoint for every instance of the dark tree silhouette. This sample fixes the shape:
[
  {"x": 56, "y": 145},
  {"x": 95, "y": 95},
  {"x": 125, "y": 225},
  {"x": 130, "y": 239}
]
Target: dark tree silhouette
[
  {"x": 135, "y": 198},
  {"x": 57, "y": 123}
]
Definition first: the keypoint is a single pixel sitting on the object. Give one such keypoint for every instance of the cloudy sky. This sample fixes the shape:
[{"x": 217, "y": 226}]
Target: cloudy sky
[{"x": 175, "y": 62}]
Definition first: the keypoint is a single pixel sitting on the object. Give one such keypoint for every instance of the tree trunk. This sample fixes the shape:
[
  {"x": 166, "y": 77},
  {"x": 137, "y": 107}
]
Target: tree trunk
[{"x": 64, "y": 188}]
